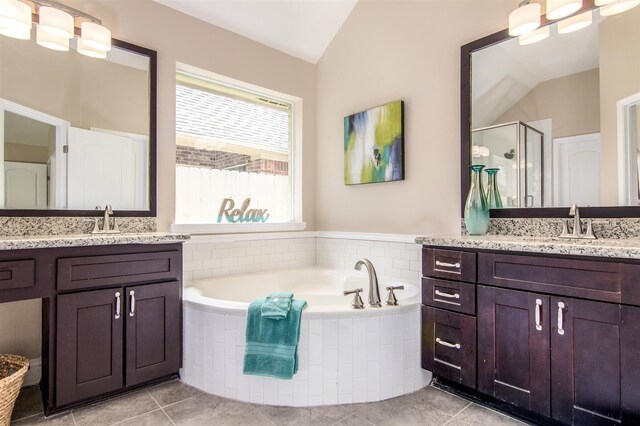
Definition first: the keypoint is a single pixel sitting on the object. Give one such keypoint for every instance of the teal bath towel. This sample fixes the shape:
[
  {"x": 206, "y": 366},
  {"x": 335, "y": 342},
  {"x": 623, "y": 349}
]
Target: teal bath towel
[
  {"x": 272, "y": 346},
  {"x": 277, "y": 305}
]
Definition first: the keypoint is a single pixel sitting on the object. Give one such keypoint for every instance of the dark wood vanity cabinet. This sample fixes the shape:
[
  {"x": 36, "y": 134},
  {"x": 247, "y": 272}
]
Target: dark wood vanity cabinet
[
  {"x": 556, "y": 336},
  {"x": 112, "y": 316}
]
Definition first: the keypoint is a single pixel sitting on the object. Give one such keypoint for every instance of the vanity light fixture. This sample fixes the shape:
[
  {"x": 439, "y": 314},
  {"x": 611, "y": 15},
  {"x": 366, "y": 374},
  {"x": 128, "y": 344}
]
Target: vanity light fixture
[
  {"x": 15, "y": 19},
  {"x": 558, "y": 9},
  {"x": 524, "y": 19},
  {"x": 56, "y": 22},
  {"x": 575, "y": 23},
  {"x": 613, "y": 8},
  {"x": 534, "y": 36}
]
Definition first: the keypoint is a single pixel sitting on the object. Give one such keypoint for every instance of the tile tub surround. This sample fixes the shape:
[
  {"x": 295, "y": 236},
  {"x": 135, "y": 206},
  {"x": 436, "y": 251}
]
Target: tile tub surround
[
  {"x": 613, "y": 248},
  {"x": 50, "y": 241},
  {"x": 174, "y": 403},
  {"x": 532, "y": 227},
  {"x": 26, "y": 226},
  {"x": 341, "y": 361},
  {"x": 391, "y": 255}
]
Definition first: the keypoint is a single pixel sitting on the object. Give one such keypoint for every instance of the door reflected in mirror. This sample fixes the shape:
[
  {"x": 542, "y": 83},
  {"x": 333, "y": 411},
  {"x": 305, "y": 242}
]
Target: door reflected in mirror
[
  {"x": 74, "y": 130},
  {"x": 559, "y": 118}
]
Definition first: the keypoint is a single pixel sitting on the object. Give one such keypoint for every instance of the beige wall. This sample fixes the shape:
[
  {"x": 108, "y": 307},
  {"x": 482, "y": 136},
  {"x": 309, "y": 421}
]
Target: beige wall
[
  {"x": 409, "y": 50},
  {"x": 572, "y": 101},
  {"x": 619, "y": 78},
  {"x": 178, "y": 37},
  {"x": 84, "y": 91}
]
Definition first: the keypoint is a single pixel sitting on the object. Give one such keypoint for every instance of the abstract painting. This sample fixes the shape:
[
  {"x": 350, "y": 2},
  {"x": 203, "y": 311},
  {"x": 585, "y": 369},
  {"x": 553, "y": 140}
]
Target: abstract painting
[{"x": 374, "y": 145}]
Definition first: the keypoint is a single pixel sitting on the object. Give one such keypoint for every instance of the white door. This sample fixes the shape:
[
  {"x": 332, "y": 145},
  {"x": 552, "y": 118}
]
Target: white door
[
  {"x": 25, "y": 185},
  {"x": 102, "y": 169},
  {"x": 576, "y": 177}
]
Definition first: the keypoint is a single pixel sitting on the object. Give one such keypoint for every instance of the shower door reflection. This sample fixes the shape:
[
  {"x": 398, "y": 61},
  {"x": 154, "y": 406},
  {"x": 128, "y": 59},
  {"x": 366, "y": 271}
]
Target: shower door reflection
[{"x": 515, "y": 148}]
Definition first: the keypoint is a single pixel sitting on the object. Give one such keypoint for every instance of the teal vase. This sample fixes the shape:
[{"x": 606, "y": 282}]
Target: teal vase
[
  {"x": 476, "y": 209},
  {"x": 493, "y": 194}
]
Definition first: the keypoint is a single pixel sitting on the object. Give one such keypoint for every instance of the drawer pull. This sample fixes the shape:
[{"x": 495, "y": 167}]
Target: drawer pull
[
  {"x": 561, "y": 307},
  {"x": 132, "y": 308},
  {"x": 450, "y": 296},
  {"x": 447, "y": 344},
  {"x": 117, "y": 315},
  {"x": 537, "y": 314},
  {"x": 448, "y": 265}
]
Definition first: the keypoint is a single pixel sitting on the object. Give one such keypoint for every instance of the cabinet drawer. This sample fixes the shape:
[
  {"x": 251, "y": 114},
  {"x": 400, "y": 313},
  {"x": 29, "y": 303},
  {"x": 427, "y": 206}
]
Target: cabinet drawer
[
  {"x": 587, "y": 279},
  {"x": 449, "y": 345},
  {"x": 451, "y": 264},
  {"x": 15, "y": 274},
  {"x": 96, "y": 271},
  {"x": 450, "y": 295}
]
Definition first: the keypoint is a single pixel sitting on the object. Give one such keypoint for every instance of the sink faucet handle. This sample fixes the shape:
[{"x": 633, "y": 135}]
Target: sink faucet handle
[
  {"x": 391, "y": 297},
  {"x": 357, "y": 300},
  {"x": 574, "y": 210}
]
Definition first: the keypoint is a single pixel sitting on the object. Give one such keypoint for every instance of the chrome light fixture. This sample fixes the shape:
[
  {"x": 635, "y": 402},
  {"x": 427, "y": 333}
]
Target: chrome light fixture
[
  {"x": 558, "y": 9},
  {"x": 524, "y": 19},
  {"x": 614, "y": 7},
  {"x": 56, "y": 26},
  {"x": 534, "y": 36},
  {"x": 15, "y": 19},
  {"x": 575, "y": 23}
]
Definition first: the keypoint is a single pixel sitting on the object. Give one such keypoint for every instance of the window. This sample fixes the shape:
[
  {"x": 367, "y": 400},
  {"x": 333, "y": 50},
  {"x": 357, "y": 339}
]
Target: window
[{"x": 235, "y": 161}]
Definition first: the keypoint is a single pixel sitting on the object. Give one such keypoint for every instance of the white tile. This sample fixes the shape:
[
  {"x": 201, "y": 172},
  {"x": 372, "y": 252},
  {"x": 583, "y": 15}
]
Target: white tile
[
  {"x": 345, "y": 375},
  {"x": 316, "y": 380},
  {"x": 315, "y": 400},
  {"x": 410, "y": 254},
  {"x": 218, "y": 382},
  {"x": 401, "y": 263},
  {"x": 373, "y": 346},
  {"x": 229, "y": 344},
  {"x": 386, "y": 386},
  {"x": 359, "y": 363},
  {"x": 218, "y": 328},
  {"x": 270, "y": 391},
  {"x": 359, "y": 390},
  {"x": 373, "y": 375},
  {"x": 202, "y": 254},
  {"x": 316, "y": 349},
  {"x": 330, "y": 392},
  {"x": 300, "y": 393},
  {"x": 230, "y": 374},
  {"x": 218, "y": 356},
  {"x": 330, "y": 329},
  {"x": 330, "y": 364},
  {"x": 254, "y": 250},
  {"x": 359, "y": 333},
  {"x": 303, "y": 340},
  {"x": 373, "y": 395},
  {"x": 238, "y": 252},
  {"x": 193, "y": 265},
  {"x": 229, "y": 261},
  {"x": 386, "y": 330},
  {"x": 345, "y": 398},
  {"x": 244, "y": 387}
]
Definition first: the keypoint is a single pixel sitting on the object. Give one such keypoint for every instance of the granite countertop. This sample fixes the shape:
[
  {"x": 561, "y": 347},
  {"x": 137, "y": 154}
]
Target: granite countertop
[
  {"x": 79, "y": 240},
  {"x": 624, "y": 248}
]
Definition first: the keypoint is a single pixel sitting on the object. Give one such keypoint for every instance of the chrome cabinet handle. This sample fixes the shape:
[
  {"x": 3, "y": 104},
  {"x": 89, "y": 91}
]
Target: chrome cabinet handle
[
  {"x": 447, "y": 344},
  {"x": 450, "y": 296},
  {"x": 117, "y": 316},
  {"x": 132, "y": 308},
  {"x": 538, "y": 309},
  {"x": 448, "y": 265},
  {"x": 561, "y": 307}
]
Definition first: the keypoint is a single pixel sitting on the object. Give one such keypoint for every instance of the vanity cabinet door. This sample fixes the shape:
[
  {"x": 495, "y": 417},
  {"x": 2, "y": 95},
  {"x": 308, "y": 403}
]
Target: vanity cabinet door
[
  {"x": 586, "y": 361},
  {"x": 513, "y": 347},
  {"x": 153, "y": 331},
  {"x": 89, "y": 344}
]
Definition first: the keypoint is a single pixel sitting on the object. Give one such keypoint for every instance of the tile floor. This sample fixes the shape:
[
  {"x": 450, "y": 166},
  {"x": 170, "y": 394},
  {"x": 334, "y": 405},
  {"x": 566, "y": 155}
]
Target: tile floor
[{"x": 174, "y": 403}]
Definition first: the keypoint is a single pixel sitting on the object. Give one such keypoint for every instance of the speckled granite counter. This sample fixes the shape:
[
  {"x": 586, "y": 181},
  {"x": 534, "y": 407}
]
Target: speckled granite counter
[
  {"x": 79, "y": 240},
  {"x": 627, "y": 248}
]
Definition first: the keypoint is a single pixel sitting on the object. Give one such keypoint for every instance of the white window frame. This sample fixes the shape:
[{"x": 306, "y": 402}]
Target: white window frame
[{"x": 297, "y": 223}]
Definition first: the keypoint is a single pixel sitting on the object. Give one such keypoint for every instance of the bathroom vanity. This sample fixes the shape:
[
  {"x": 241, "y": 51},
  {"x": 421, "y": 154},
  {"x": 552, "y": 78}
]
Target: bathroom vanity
[
  {"x": 547, "y": 330},
  {"x": 111, "y": 313}
]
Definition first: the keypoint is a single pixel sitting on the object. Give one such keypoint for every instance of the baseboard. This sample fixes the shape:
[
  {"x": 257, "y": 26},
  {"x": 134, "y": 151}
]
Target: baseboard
[{"x": 34, "y": 374}]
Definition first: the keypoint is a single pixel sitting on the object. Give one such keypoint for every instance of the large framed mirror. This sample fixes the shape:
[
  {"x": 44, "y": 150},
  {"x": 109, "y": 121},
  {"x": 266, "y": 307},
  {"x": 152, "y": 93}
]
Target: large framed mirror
[
  {"x": 559, "y": 118},
  {"x": 77, "y": 132}
]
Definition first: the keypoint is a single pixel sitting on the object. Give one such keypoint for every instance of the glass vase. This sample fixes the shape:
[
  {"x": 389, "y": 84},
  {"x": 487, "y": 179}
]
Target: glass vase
[
  {"x": 476, "y": 209},
  {"x": 493, "y": 194}
]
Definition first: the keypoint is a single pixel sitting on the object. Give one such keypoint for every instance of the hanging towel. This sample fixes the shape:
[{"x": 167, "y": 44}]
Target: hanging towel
[
  {"x": 277, "y": 305},
  {"x": 272, "y": 346}
]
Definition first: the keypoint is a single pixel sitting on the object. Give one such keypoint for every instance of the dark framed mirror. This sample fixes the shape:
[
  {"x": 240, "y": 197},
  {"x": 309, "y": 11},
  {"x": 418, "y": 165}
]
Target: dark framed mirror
[
  {"x": 560, "y": 117},
  {"x": 77, "y": 132}
]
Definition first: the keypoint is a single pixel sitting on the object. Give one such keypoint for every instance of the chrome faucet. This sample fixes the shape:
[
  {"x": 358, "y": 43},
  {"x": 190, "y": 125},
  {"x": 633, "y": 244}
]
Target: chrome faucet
[
  {"x": 374, "y": 290},
  {"x": 577, "y": 226},
  {"x": 106, "y": 228}
]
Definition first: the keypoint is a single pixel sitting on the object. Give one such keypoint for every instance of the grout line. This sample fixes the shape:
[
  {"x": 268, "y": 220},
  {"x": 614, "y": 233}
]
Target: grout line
[
  {"x": 152, "y": 398},
  {"x": 186, "y": 399},
  {"x": 162, "y": 409},
  {"x": 73, "y": 418},
  {"x": 456, "y": 414}
]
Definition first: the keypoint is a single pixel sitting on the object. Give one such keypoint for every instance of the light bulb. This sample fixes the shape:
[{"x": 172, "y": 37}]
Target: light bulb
[
  {"x": 558, "y": 9},
  {"x": 56, "y": 22},
  {"x": 524, "y": 19},
  {"x": 534, "y": 36},
  {"x": 575, "y": 23},
  {"x": 90, "y": 51},
  {"x": 51, "y": 41},
  {"x": 96, "y": 36},
  {"x": 618, "y": 7}
]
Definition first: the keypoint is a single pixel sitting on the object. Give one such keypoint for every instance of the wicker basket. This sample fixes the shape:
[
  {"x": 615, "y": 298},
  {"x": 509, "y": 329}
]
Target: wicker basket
[{"x": 12, "y": 371}]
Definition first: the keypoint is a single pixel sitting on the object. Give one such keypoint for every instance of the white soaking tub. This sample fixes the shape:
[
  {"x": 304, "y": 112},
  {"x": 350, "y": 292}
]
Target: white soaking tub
[{"x": 345, "y": 355}]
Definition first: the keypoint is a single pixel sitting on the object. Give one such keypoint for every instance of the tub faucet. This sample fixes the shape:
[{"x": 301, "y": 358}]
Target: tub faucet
[{"x": 374, "y": 290}]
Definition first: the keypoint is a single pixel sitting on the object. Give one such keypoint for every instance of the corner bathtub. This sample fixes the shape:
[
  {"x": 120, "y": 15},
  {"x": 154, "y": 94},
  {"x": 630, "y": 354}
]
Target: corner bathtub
[{"x": 345, "y": 355}]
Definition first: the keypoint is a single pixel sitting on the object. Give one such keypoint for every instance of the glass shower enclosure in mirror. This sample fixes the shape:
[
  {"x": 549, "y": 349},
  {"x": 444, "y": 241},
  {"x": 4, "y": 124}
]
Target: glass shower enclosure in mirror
[
  {"x": 75, "y": 131},
  {"x": 560, "y": 117},
  {"x": 516, "y": 150}
]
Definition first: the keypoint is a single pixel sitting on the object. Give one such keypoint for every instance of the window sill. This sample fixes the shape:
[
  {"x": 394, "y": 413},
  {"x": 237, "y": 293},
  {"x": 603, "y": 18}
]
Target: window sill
[{"x": 235, "y": 228}]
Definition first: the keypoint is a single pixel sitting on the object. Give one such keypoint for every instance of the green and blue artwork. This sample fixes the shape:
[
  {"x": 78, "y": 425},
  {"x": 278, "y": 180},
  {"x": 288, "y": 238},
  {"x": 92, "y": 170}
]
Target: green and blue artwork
[{"x": 374, "y": 145}]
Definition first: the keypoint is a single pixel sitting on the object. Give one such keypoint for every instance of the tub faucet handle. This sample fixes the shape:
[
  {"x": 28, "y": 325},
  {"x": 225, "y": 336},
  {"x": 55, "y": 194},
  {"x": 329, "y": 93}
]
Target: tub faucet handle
[
  {"x": 391, "y": 297},
  {"x": 357, "y": 300}
]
